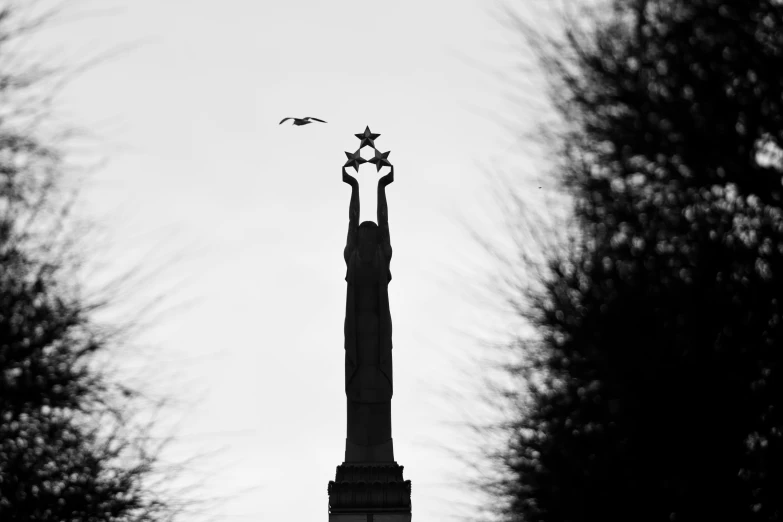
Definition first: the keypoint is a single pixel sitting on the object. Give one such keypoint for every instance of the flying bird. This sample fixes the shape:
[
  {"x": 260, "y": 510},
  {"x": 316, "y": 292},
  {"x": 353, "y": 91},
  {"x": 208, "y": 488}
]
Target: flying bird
[{"x": 301, "y": 121}]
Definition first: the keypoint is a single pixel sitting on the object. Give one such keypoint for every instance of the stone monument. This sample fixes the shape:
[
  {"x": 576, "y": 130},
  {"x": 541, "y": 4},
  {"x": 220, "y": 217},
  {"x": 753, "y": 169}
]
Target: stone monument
[{"x": 368, "y": 486}]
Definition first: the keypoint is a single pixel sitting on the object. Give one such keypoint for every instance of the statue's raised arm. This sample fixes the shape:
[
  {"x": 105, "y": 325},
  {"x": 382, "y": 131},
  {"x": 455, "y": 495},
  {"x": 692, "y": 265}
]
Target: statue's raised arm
[
  {"x": 353, "y": 215},
  {"x": 383, "y": 214}
]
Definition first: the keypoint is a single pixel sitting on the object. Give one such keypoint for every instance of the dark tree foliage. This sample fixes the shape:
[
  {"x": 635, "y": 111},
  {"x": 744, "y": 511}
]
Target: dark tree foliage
[
  {"x": 68, "y": 448},
  {"x": 663, "y": 343}
]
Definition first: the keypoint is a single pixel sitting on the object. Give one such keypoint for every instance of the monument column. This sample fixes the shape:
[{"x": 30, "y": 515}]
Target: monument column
[{"x": 368, "y": 486}]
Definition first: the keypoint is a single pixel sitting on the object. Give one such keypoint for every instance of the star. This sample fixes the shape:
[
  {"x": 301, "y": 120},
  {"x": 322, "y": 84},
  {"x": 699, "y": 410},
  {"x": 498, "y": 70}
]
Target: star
[
  {"x": 367, "y": 137},
  {"x": 354, "y": 160},
  {"x": 380, "y": 159}
]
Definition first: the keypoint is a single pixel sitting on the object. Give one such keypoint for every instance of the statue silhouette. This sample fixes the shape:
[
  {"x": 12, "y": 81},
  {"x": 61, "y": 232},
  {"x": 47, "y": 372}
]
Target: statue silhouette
[
  {"x": 368, "y": 331},
  {"x": 369, "y": 483}
]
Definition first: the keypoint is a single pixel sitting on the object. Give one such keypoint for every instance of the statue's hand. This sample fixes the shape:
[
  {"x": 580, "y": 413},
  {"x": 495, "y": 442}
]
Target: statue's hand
[
  {"x": 387, "y": 179},
  {"x": 347, "y": 178}
]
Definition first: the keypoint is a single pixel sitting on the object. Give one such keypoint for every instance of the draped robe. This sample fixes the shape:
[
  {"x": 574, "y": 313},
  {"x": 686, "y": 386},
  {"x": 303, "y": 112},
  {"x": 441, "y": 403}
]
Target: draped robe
[{"x": 368, "y": 328}]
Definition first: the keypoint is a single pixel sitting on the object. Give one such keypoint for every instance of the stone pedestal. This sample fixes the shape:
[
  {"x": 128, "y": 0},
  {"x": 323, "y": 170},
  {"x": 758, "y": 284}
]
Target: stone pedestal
[
  {"x": 369, "y": 492},
  {"x": 370, "y": 517}
]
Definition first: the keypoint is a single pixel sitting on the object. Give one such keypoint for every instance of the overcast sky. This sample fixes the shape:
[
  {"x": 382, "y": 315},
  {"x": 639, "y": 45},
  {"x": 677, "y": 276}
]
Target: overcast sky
[{"x": 243, "y": 221}]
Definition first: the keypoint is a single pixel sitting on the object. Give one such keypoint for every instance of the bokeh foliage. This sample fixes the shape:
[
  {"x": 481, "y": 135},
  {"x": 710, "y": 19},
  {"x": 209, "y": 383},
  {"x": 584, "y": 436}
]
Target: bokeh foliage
[
  {"x": 661, "y": 322},
  {"x": 71, "y": 448}
]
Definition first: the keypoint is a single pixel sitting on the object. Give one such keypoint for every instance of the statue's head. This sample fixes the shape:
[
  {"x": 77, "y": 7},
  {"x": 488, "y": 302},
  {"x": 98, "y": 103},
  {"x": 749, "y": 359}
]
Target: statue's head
[{"x": 367, "y": 239}]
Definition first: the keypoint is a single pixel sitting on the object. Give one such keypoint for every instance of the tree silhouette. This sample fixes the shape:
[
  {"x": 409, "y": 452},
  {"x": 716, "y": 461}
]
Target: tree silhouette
[
  {"x": 660, "y": 323},
  {"x": 70, "y": 446}
]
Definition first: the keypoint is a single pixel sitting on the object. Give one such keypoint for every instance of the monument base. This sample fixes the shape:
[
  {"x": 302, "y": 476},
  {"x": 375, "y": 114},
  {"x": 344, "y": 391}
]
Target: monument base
[
  {"x": 369, "y": 492},
  {"x": 371, "y": 517}
]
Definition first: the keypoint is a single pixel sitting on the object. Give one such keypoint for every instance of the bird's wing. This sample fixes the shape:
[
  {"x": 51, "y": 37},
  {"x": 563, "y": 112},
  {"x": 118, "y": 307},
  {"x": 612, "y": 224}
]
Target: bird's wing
[
  {"x": 316, "y": 119},
  {"x": 281, "y": 121}
]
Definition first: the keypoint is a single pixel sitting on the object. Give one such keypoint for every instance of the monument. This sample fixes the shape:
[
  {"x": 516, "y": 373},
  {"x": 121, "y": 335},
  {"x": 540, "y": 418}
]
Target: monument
[{"x": 368, "y": 486}]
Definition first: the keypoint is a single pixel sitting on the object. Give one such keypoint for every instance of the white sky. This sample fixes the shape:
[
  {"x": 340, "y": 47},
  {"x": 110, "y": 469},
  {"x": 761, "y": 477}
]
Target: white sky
[{"x": 200, "y": 167}]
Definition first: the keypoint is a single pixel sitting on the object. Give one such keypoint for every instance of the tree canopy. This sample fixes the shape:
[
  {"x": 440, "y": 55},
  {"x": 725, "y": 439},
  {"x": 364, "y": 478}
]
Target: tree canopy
[{"x": 661, "y": 323}]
